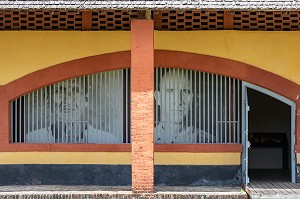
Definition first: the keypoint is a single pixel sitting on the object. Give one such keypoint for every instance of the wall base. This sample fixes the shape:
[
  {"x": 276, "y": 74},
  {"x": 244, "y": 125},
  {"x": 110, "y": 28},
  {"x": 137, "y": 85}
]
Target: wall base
[{"x": 203, "y": 175}]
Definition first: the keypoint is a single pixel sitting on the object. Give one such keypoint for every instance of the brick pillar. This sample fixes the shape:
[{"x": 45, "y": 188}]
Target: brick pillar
[{"x": 142, "y": 105}]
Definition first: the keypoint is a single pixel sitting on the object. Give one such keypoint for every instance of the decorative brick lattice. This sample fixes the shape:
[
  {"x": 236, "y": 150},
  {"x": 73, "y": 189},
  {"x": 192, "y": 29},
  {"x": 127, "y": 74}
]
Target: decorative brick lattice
[
  {"x": 189, "y": 20},
  {"x": 266, "y": 20},
  {"x": 113, "y": 20},
  {"x": 40, "y": 20},
  {"x": 172, "y": 20}
]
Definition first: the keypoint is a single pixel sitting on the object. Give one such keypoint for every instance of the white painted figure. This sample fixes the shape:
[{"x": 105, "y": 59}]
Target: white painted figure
[
  {"x": 175, "y": 100},
  {"x": 71, "y": 110}
]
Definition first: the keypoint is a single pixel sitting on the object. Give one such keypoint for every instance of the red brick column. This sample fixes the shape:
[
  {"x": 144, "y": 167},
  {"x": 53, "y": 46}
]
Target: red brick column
[{"x": 142, "y": 105}]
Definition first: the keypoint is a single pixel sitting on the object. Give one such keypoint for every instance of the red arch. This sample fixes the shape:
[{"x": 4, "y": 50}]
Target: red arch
[{"x": 120, "y": 60}]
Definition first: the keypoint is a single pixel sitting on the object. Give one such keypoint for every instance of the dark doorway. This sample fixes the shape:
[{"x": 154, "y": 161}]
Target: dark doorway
[{"x": 270, "y": 138}]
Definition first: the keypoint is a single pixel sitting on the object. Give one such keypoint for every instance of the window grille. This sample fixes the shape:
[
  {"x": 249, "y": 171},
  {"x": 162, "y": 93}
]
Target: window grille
[
  {"x": 87, "y": 109},
  {"x": 196, "y": 107}
]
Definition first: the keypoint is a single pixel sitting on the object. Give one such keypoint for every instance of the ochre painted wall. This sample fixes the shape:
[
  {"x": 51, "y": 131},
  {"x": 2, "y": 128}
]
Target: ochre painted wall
[
  {"x": 23, "y": 52},
  {"x": 118, "y": 158},
  {"x": 175, "y": 158}
]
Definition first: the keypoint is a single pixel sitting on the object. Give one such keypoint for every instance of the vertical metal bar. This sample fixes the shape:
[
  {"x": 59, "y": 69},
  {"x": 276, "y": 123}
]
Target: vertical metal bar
[
  {"x": 168, "y": 103},
  {"x": 173, "y": 71},
  {"x": 120, "y": 98},
  {"x": 200, "y": 104},
  {"x": 16, "y": 121},
  {"x": 105, "y": 108},
  {"x": 72, "y": 140},
  {"x": 67, "y": 98},
  {"x": 225, "y": 116},
  {"x": 156, "y": 104},
  {"x": 24, "y": 118},
  {"x": 181, "y": 99},
  {"x": 75, "y": 123},
  {"x": 221, "y": 110},
  {"x": 80, "y": 132},
  {"x": 204, "y": 109},
  {"x": 45, "y": 109},
  {"x": 233, "y": 110},
  {"x": 58, "y": 112},
  {"x": 32, "y": 111},
  {"x": 212, "y": 108},
  {"x": 37, "y": 111},
  {"x": 113, "y": 101},
  {"x": 194, "y": 130},
  {"x": 12, "y": 122},
  {"x": 127, "y": 103},
  {"x": 20, "y": 120},
  {"x": 89, "y": 93},
  {"x": 50, "y": 109},
  {"x": 54, "y": 110},
  {"x": 217, "y": 109},
  {"x": 229, "y": 111},
  {"x": 238, "y": 113},
  {"x": 28, "y": 113},
  {"x": 191, "y": 106},
  {"x": 100, "y": 104},
  {"x": 109, "y": 103},
  {"x": 86, "y": 98},
  {"x": 208, "y": 108},
  {"x": 97, "y": 104},
  {"x": 63, "y": 122}
]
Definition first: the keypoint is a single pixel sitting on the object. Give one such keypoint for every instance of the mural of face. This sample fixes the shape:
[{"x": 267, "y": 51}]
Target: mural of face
[
  {"x": 70, "y": 99},
  {"x": 175, "y": 98},
  {"x": 70, "y": 108}
]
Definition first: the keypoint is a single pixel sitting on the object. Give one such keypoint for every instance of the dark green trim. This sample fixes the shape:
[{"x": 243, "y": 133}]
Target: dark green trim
[
  {"x": 183, "y": 175},
  {"x": 102, "y": 175}
]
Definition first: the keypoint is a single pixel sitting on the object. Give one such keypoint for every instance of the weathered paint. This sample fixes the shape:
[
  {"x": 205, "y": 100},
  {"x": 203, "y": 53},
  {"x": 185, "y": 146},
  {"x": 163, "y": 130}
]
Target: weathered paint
[
  {"x": 177, "y": 158},
  {"x": 200, "y": 175},
  {"x": 62, "y": 174},
  {"x": 117, "y": 175},
  {"x": 276, "y": 52}
]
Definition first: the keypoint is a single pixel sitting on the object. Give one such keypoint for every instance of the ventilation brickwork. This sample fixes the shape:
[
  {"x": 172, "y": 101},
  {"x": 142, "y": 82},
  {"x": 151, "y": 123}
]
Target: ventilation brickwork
[
  {"x": 40, "y": 20},
  {"x": 171, "y": 20},
  {"x": 189, "y": 20},
  {"x": 113, "y": 20},
  {"x": 267, "y": 20}
]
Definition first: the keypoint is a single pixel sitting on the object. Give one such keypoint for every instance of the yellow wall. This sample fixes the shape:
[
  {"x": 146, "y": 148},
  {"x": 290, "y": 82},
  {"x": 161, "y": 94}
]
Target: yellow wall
[
  {"x": 120, "y": 158},
  {"x": 65, "y": 158},
  {"x": 23, "y": 52},
  {"x": 176, "y": 158}
]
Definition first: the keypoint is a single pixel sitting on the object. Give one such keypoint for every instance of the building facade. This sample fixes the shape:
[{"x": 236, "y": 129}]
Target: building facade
[{"x": 131, "y": 93}]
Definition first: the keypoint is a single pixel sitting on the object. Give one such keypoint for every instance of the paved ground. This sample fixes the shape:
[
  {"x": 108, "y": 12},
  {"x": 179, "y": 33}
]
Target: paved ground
[{"x": 99, "y": 192}]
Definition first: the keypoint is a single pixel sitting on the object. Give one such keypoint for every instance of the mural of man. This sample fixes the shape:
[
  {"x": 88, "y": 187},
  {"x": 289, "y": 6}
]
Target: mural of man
[
  {"x": 70, "y": 111},
  {"x": 175, "y": 99}
]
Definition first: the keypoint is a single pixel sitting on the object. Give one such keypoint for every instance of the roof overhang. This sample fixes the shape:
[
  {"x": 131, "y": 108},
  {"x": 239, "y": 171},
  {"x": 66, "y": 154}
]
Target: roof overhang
[{"x": 154, "y": 5}]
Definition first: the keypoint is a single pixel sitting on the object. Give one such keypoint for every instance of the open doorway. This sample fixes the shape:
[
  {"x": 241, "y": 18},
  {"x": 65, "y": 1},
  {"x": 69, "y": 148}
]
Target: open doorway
[{"x": 268, "y": 135}]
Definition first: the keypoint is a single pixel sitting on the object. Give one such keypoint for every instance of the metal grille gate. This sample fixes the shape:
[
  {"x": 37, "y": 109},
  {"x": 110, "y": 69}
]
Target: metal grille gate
[
  {"x": 196, "y": 107},
  {"x": 87, "y": 109}
]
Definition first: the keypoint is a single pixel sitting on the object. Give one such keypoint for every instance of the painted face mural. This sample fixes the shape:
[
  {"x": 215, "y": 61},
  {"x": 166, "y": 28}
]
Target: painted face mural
[
  {"x": 70, "y": 100},
  {"x": 176, "y": 98},
  {"x": 174, "y": 105}
]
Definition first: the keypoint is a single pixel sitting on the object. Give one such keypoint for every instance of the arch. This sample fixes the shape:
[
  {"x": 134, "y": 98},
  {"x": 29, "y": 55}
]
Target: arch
[
  {"x": 67, "y": 70},
  {"x": 235, "y": 69},
  {"x": 118, "y": 60}
]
